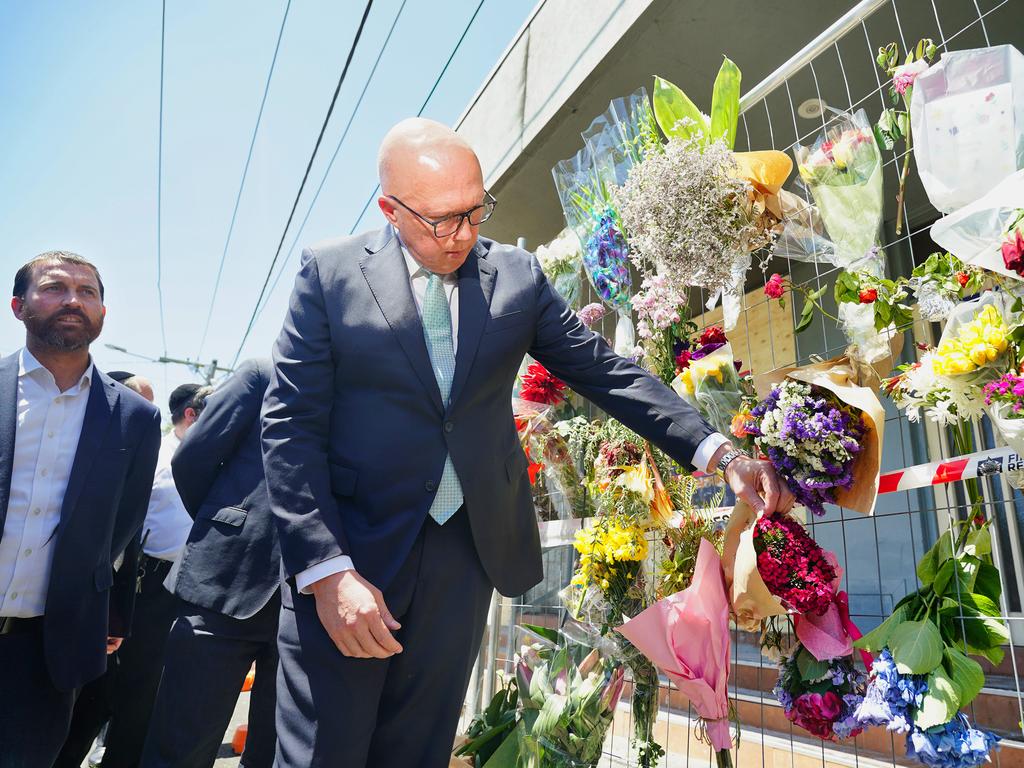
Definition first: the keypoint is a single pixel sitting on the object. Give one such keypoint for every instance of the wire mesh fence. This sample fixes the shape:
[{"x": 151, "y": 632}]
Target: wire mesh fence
[{"x": 878, "y": 554}]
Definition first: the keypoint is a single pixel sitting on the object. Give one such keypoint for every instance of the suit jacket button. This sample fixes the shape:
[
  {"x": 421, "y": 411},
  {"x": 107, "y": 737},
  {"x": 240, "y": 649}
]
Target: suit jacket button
[
  {"x": 448, "y": 426},
  {"x": 430, "y": 485}
]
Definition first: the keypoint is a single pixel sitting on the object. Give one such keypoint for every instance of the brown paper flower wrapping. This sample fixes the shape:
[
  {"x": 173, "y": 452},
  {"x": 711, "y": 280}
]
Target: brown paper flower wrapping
[
  {"x": 751, "y": 601},
  {"x": 842, "y": 378}
]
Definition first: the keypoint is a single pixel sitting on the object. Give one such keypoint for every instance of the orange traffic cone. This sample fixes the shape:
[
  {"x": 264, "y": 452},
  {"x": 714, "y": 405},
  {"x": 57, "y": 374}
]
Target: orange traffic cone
[
  {"x": 249, "y": 679},
  {"x": 238, "y": 741}
]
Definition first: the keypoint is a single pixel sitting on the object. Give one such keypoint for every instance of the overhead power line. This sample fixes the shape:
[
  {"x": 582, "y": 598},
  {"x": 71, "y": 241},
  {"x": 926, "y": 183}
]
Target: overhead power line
[
  {"x": 160, "y": 180},
  {"x": 305, "y": 177},
  {"x": 373, "y": 194},
  {"x": 423, "y": 106},
  {"x": 241, "y": 185},
  {"x": 330, "y": 164}
]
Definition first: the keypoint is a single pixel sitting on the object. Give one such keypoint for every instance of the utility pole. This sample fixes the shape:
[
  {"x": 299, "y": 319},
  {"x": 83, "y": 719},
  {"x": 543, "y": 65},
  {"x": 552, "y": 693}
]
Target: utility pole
[{"x": 206, "y": 370}]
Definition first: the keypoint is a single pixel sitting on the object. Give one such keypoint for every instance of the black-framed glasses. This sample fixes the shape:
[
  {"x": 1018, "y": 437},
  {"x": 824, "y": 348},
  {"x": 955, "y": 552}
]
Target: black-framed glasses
[{"x": 452, "y": 223}]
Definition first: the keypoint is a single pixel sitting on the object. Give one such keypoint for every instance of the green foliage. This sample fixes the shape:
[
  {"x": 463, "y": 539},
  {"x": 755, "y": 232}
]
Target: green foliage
[
  {"x": 725, "y": 103},
  {"x": 916, "y": 647},
  {"x": 679, "y": 118}
]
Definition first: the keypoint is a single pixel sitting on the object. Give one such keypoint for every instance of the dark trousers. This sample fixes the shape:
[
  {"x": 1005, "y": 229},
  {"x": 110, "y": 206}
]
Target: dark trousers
[
  {"x": 400, "y": 712},
  {"x": 126, "y": 693},
  {"x": 34, "y": 715},
  {"x": 208, "y": 656}
]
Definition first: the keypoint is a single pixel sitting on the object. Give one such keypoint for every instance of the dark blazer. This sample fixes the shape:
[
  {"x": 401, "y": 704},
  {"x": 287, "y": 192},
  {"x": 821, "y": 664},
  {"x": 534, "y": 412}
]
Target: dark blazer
[
  {"x": 104, "y": 506},
  {"x": 232, "y": 561},
  {"x": 354, "y": 431}
]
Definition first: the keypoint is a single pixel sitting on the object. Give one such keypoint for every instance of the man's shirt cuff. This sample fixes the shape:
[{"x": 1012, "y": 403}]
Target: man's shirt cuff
[
  {"x": 705, "y": 452},
  {"x": 322, "y": 570}
]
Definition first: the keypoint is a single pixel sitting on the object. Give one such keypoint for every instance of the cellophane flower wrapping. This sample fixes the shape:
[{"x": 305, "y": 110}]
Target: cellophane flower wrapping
[
  {"x": 569, "y": 688},
  {"x": 975, "y": 232},
  {"x": 972, "y": 348},
  {"x": 712, "y": 385},
  {"x": 967, "y": 119},
  {"x": 842, "y": 170},
  {"x": 561, "y": 262}
]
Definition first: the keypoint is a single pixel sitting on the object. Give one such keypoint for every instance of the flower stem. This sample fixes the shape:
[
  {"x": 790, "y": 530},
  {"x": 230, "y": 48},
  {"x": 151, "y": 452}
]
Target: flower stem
[{"x": 903, "y": 178}]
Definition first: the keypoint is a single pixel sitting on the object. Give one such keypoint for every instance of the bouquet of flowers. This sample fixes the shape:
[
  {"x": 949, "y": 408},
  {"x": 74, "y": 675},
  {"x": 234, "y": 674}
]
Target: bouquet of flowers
[
  {"x": 813, "y": 440},
  {"x": 821, "y": 697},
  {"x": 589, "y": 212},
  {"x": 684, "y": 210},
  {"x": 946, "y": 400},
  {"x": 610, "y": 584},
  {"x": 843, "y": 171},
  {"x": 896, "y": 700},
  {"x": 568, "y": 693},
  {"x": 708, "y": 378},
  {"x": 942, "y": 282},
  {"x": 560, "y": 261},
  {"x": 923, "y": 674},
  {"x": 1005, "y": 400},
  {"x": 793, "y": 566}
]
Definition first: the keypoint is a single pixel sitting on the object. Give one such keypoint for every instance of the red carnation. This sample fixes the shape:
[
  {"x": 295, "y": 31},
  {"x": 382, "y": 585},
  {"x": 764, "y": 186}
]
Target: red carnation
[
  {"x": 539, "y": 386},
  {"x": 868, "y": 295},
  {"x": 713, "y": 335},
  {"x": 793, "y": 566}
]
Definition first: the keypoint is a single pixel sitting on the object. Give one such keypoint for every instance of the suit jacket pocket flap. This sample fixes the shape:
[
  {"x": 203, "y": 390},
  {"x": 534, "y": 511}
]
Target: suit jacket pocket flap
[
  {"x": 229, "y": 515},
  {"x": 508, "y": 320},
  {"x": 103, "y": 576},
  {"x": 343, "y": 479}
]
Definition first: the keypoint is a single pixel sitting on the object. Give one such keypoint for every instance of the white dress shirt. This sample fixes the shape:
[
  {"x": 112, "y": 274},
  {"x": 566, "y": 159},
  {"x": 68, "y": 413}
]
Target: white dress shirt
[
  {"x": 418, "y": 277},
  {"x": 49, "y": 423},
  {"x": 167, "y": 522}
]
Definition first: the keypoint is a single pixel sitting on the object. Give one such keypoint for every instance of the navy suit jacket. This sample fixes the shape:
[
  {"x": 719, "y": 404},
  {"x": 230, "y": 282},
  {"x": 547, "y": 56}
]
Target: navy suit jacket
[
  {"x": 354, "y": 430},
  {"x": 232, "y": 561},
  {"x": 104, "y": 506}
]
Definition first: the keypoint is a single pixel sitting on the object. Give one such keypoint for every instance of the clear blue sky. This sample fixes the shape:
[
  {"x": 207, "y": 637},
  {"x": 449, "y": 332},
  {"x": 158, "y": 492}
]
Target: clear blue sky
[{"x": 79, "y": 105}]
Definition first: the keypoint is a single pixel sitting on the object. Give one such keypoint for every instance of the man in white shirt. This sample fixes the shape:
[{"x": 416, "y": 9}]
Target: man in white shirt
[
  {"x": 77, "y": 456},
  {"x": 127, "y": 693}
]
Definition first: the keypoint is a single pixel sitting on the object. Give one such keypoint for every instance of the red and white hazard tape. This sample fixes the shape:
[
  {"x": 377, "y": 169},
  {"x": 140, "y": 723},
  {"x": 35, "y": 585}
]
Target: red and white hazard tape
[{"x": 981, "y": 464}]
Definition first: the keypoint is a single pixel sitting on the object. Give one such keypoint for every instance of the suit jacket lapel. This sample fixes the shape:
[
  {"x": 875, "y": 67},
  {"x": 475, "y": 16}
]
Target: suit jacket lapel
[
  {"x": 386, "y": 273},
  {"x": 476, "y": 284},
  {"x": 8, "y": 423},
  {"x": 100, "y": 407}
]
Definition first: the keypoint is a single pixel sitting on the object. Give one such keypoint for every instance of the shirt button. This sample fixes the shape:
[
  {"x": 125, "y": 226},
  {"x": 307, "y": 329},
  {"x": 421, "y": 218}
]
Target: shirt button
[
  {"x": 430, "y": 486},
  {"x": 50, "y": 433},
  {"x": 28, "y": 552},
  {"x": 43, "y": 472},
  {"x": 14, "y": 595},
  {"x": 37, "y": 511},
  {"x": 448, "y": 426}
]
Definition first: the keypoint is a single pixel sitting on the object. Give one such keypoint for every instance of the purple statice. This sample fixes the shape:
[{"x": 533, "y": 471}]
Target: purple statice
[
  {"x": 811, "y": 438},
  {"x": 606, "y": 259},
  {"x": 891, "y": 698},
  {"x": 953, "y": 745}
]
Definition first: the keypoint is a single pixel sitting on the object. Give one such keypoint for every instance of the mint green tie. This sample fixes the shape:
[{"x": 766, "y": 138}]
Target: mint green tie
[{"x": 437, "y": 330}]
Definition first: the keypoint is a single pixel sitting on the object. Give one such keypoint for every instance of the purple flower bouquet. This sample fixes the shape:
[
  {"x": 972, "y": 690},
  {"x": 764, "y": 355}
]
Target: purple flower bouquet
[{"x": 812, "y": 438}]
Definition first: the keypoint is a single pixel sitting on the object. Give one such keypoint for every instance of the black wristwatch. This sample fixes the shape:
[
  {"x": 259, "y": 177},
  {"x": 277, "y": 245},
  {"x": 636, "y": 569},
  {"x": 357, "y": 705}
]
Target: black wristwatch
[{"x": 727, "y": 459}]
